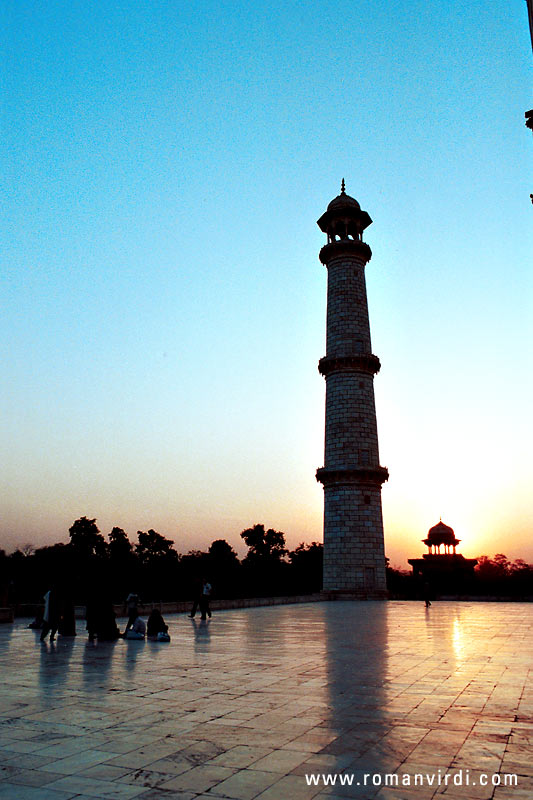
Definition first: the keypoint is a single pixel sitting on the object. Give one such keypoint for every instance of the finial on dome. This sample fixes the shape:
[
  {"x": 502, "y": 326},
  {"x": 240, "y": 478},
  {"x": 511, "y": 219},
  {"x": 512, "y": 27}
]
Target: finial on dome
[{"x": 343, "y": 188}]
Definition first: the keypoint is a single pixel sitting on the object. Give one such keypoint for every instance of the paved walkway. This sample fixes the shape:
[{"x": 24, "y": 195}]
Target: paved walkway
[{"x": 249, "y": 703}]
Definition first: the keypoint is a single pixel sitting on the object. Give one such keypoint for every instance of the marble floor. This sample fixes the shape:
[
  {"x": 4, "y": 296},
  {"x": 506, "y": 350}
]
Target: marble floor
[{"x": 276, "y": 703}]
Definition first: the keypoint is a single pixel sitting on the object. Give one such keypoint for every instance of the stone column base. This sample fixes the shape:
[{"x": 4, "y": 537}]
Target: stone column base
[{"x": 355, "y": 594}]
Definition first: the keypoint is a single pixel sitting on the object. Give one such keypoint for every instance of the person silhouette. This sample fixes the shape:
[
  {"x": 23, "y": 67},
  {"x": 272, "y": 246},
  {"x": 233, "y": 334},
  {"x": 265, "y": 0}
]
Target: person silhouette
[
  {"x": 132, "y": 605},
  {"x": 427, "y": 595},
  {"x": 100, "y": 615},
  {"x": 137, "y": 630},
  {"x": 204, "y": 599},
  {"x": 156, "y": 624},
  {"x": 51, "y": 614},
  {"x": 197, "y": 596}
]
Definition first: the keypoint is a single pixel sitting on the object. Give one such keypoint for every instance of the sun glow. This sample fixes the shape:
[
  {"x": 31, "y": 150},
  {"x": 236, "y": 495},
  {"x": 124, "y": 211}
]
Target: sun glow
[{"x": 458, "y": 639}]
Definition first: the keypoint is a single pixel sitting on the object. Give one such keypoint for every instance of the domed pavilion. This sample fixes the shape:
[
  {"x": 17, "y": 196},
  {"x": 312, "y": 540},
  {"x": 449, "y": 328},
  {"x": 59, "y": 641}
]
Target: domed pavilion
[{"x": 448, "y": 571}]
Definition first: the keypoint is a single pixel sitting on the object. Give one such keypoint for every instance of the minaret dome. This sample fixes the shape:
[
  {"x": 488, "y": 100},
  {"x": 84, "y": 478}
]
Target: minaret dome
[{"x": 344, "y": 219}]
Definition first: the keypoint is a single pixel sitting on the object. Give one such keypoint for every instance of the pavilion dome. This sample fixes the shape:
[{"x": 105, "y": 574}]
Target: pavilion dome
[
  {"x": 441, "y": 534},
  {"x": 343, "y": 201}
]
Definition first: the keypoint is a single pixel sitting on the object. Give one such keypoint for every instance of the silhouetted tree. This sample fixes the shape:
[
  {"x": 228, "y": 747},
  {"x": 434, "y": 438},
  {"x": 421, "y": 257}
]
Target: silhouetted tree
[
  {"x": 49, "y": 565},
  {"x": 59, "y": 554},
  {"x": 306, "y": 553},
  {"x": 4, "y": 578},
  {"x": 263, "y": 544},
  {"x": 306, "y": 563},
  {"x": 160, "y": 562},
  {"x": 224, "y": 569},
  {"x": 400, "y": 583},
  {"x": 265, "y": 571},
  {"x": 492, "y": 570},
  {"x": 196, "y": 561},
  {"x": 500, "y": 577},
  {"x": 123, "y": 568},
  {"x": 502, "y": 563},
  {"x": 26, "y": 550},
  {"x": 519, "y": 565},
  {"x": 86, "y": 539},
  {"x": 88, "y": 550},
  {"x": 152, "y": 547},
  {"x": 221, "y": 551},
  {"x": 194, "y": 565},
  {"x": 119, "y": 547},
  {"x": 521, "y": 576}
]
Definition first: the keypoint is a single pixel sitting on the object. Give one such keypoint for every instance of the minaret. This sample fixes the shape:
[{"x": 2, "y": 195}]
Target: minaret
[{"x": 354, "y": 555}]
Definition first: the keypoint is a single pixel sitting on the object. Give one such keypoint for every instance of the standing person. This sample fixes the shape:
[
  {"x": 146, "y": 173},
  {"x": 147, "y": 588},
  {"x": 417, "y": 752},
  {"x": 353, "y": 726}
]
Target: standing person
[
  {"x": 51, "y": 614},
  {"x": 204, "y": 599},
  {"x": 132, "y": 605},
  {"x": 197, "y": 596},
  {"x": 92, "y": 614},
  {"x": 427, "y": 595},
  {"x": 67, "y": 624}
]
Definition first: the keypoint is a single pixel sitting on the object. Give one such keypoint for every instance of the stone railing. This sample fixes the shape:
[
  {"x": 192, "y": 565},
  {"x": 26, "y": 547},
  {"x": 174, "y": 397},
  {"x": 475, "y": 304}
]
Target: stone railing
[{"x": 183, "y": 606}]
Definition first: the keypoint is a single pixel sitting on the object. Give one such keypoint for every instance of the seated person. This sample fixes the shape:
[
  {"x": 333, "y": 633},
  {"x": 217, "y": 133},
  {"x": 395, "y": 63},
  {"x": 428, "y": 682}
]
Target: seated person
[
  {"x": 137, "y": 630},
  {"x": 37, "y": 623},
  {"x": 107, "y": 629},
  {"x": 101, "y": 620},
  {"x": 156, "y": 623}
]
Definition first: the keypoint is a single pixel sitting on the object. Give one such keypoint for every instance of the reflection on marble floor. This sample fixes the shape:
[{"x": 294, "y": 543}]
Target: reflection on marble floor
[{"x": 248, "y": 703}]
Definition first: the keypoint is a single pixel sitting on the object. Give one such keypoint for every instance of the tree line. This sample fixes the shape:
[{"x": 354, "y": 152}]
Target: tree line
[{"x": 154, "y": 569}]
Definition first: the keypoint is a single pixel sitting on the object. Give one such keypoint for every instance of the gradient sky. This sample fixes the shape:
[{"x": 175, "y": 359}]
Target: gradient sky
[{"x": 164, "y": 306}]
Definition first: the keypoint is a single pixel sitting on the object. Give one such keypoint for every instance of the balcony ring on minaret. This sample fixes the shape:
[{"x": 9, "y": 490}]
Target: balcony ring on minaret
[
  {"x": 371, "y": 476},
  {"x": 364, "y": 362}
]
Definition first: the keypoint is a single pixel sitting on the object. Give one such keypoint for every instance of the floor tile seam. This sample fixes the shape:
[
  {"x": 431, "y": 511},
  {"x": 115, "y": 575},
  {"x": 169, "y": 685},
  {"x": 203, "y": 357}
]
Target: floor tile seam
[
  {"x": 459, "y": 747},
  {"x": 469, "y": 708},
  {"x": 506, "y": 749},
  {"x": 76, "y": 794},
  {"x": 525, "y": 688}
]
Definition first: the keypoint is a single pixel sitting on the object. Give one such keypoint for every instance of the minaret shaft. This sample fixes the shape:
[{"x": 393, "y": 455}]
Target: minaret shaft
[
  {"x": 347, "y": 330},
  {"x": 354, "y": 557}
]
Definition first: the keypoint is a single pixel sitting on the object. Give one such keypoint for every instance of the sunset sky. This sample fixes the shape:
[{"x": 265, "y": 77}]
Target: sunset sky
[{"x": 163, "y": 304}]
